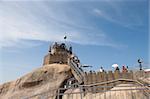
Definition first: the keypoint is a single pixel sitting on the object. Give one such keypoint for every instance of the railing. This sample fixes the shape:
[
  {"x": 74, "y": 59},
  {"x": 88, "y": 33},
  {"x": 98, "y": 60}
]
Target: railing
[
  {"x": 95, "y": 91},
  {"x": 109, "y": 92},
  {"x": 78, "y": 73}
]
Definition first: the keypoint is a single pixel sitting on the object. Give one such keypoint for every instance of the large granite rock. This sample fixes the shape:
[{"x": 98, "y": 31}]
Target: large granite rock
[{"x": 42, "y": 82}]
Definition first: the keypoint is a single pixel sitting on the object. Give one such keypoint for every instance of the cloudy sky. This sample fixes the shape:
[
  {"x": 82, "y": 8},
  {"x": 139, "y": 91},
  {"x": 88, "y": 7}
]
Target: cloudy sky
[{"x": 102, "y": 32}]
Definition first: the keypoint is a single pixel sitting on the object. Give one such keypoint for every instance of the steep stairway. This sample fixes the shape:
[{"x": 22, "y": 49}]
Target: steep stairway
[{"x": 76, "y": 70}]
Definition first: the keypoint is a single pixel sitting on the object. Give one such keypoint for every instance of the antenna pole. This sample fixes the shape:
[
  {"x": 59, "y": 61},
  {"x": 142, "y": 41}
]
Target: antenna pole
[{"x": 140, "y": 64}]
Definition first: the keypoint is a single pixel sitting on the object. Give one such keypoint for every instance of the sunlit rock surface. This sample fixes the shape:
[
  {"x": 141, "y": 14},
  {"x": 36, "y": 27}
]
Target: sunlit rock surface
[{"x": 44, "y": 79}]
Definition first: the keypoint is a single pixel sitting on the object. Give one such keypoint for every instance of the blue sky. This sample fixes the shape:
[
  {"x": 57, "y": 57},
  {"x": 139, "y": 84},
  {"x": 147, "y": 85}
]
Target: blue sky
[{"x": 101, "y": 32}]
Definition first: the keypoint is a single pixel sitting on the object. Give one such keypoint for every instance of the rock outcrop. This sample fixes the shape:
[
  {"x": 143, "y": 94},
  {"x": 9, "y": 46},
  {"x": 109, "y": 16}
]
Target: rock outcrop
[{"x": 37, "y": 83}]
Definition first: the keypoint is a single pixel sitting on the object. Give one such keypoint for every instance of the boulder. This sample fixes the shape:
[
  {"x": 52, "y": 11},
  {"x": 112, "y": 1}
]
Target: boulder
[{"x": 42, "y": 82}]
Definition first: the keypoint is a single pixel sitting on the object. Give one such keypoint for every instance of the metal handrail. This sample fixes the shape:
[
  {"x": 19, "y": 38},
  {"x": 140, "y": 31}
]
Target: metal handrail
[{"x": 76, "y": 69}]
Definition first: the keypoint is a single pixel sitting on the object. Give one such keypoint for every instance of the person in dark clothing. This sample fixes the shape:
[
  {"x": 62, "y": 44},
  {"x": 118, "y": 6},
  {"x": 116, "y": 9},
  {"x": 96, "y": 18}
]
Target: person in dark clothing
[
  {"x": 70, "y": 50},
  {"x": 124, "y": 69},
  {"x": 117, "y": 68}
]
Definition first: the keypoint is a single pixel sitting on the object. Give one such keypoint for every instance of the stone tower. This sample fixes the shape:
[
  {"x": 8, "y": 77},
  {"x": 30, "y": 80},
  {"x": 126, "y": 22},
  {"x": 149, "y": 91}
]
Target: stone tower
[{"x": 58, "y": 53}]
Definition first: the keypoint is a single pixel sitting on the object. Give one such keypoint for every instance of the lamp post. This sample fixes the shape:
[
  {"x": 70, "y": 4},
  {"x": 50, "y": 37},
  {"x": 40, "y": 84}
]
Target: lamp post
[{"x": 140, "y": 63}]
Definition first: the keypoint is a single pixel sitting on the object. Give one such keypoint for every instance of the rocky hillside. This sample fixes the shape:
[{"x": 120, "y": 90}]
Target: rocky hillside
[
  {"x": 44, "y": 79},
  {"x": 43, "y": 83}
]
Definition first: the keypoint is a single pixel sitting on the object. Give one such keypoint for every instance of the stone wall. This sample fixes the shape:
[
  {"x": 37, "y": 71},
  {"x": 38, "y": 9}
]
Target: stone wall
[
  {"x": 58, "y": 53},
  {"x": 97, "y": 77},
  {"x": 56, "y": 58}
]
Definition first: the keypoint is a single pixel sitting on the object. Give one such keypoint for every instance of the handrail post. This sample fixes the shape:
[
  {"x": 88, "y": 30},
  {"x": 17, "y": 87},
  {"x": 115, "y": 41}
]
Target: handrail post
[
  {"x": 58, "y": 93},
  {"x": 81, "y": 89}
]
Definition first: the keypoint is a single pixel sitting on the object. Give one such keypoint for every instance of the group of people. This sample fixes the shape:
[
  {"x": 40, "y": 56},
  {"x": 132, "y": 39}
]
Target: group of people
[
  {"x": 124, "y": 69},
  {"x": 116, "y": 66},
  {"x": 101, "y": 69},
  {"x": 76, "y": 60}
]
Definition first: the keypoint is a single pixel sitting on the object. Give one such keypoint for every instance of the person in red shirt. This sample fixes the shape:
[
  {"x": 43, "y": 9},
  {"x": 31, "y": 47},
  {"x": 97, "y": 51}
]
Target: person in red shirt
[{"x": 124, "y": 69}]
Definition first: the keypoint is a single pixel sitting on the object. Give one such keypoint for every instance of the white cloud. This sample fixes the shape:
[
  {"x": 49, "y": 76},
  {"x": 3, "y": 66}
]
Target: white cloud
[
  {"x": 46, "y": 21},
  {"x": 122, "y": 13},
  {"x": 103, "y": 15}
]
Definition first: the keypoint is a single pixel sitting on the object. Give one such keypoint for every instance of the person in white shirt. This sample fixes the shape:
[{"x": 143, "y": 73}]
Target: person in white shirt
[{"x": 101, "y": 69}]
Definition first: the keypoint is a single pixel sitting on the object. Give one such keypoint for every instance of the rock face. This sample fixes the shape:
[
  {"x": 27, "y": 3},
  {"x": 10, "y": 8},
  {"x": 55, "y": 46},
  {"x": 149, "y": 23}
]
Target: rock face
[{"x": 35, "y": 84}]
